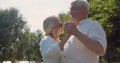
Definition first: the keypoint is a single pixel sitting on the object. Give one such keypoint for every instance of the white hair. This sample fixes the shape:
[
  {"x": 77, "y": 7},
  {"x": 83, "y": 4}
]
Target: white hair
[
  {"x": 49, "y": 23},
  {"x": 81, "y": 3}
]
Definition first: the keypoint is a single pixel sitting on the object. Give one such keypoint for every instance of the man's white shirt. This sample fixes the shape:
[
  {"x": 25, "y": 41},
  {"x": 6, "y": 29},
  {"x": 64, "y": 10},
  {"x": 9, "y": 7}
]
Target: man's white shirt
[{"x": 76, "y": 52}]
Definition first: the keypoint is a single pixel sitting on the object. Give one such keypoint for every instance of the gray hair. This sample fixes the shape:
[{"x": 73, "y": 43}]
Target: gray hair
[
  {"x": 49, "y": 23},
  {"x": 82, "y": 3}
]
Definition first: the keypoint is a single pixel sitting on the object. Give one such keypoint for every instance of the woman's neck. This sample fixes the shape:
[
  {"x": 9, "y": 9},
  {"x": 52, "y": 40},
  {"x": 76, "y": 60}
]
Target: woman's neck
[{"x": 56, "y": 37}]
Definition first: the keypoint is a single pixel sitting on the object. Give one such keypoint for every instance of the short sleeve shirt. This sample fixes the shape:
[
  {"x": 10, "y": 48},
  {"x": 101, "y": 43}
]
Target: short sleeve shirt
[{"x": 76, "y": 52}]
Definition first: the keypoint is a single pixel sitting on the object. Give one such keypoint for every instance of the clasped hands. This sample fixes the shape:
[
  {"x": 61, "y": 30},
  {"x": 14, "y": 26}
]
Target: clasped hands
[{"x": 70, "y": 28}]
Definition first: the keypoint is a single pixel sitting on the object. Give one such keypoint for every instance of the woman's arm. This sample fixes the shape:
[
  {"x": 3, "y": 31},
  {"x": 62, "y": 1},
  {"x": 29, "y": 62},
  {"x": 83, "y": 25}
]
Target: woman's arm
[{"x": 62, "y": 43}]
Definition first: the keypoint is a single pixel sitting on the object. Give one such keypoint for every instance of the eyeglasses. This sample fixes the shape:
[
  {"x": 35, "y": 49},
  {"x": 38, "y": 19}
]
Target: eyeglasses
[{"x": 60, "y": 25}]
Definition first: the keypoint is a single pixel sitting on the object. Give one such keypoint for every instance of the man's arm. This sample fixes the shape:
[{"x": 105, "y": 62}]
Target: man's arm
[{"x": 91, "y": 44}]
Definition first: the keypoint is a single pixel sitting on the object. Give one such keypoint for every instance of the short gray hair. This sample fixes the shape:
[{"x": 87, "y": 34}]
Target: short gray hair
[
  {"x": 81, "y": 3},
  {"x": 49, "y": 23}
]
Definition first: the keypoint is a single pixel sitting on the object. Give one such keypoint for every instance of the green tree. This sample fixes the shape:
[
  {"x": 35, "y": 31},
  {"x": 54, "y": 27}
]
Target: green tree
[
  {"x": 64, "y": 17},
  {"x": 16, "y": 40},
  {"x": 38, "y": 37},
  {"x": 11, "y": 24},
  {"x": 33, "y": 49},
  {"x": 107, "y": 12}
]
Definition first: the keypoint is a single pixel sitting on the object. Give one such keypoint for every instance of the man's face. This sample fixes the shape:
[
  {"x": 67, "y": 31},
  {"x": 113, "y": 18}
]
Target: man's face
[{"x": 75, "y": 12}]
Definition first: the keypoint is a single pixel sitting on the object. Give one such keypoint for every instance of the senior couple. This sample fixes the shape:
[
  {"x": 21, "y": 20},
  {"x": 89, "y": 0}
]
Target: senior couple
[{"x": 84, "y": 42}]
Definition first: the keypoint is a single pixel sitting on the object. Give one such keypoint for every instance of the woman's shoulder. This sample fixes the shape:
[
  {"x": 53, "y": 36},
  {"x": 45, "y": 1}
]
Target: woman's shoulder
[{"x": 46, "y": 39}]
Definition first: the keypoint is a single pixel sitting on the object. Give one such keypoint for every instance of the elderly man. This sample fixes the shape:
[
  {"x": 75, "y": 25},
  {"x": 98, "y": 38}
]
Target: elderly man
[{"x": 88, "y": 40}]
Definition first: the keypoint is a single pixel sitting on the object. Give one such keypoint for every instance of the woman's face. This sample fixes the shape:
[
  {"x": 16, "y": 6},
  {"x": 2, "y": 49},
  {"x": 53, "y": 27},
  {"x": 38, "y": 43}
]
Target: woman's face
[{"x": 58, "y": 29}]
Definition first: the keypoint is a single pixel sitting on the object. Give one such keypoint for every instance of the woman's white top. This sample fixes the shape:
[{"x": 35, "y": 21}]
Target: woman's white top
[{"x": 50, "y": 50}]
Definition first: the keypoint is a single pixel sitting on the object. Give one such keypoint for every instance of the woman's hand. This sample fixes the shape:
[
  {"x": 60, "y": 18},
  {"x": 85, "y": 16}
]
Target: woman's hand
[{"x": 70, "y": 28}]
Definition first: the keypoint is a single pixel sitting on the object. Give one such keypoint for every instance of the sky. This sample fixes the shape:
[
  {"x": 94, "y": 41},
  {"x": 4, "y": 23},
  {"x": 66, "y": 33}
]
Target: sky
[{"x": 35, "y": 11}]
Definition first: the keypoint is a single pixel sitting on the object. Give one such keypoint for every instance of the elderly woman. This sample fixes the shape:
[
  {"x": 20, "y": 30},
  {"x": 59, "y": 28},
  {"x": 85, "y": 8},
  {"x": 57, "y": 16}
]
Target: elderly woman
[{"x": 51, "y": 46}]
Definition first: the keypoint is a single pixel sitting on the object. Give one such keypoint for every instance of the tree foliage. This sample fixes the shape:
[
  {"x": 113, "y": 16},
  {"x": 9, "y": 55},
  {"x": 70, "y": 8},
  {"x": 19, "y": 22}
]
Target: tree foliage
[
  {"x": 107, "y": 12},
  {"x": 16, "y": 40},
  {"x": 64, "y": 17},
  {"x": 11, "y": 24}
]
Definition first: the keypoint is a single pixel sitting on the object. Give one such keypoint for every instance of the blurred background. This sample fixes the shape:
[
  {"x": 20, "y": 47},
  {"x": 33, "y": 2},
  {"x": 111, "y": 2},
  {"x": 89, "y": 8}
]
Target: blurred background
[{"x": 21, "y": 27}]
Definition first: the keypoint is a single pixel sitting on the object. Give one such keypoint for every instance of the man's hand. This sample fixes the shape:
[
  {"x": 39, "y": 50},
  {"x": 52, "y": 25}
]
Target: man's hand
[{"x": 70, "y": 28}]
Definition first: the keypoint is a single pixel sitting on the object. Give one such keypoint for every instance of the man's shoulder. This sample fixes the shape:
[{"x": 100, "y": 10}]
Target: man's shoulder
[{"x": 93, "y": 22}]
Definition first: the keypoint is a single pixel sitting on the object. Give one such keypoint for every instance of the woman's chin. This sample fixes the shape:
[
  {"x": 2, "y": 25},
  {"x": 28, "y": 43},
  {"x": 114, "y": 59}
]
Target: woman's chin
[{"x": 61, "y": 33}]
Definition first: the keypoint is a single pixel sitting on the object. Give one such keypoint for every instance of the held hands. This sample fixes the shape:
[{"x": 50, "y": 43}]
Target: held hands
[{"x": 70, "y": 28}]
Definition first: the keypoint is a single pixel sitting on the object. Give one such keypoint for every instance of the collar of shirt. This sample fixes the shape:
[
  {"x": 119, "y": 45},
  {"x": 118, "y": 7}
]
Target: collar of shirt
[
  {"x": 83, "y": 21},
  {"x": 52, "y": 39}
]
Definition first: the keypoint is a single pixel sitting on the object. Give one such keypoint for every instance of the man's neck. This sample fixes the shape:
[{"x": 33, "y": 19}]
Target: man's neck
[
  {"x": 78, "y": 21},
  {"x": 83, "y": 18}
]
